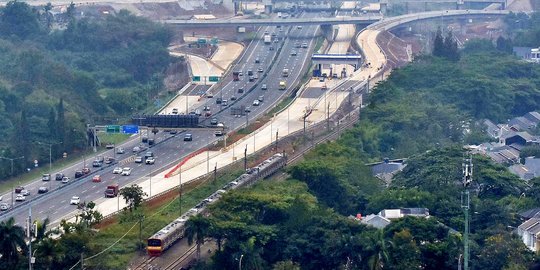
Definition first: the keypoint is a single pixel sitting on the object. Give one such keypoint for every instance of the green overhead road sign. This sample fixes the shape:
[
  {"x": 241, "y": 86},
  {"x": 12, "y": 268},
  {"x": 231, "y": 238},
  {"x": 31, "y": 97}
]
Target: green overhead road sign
[
  {"x": 213, "y": 78},
  {"x": 214, "y": 41},
  {"x": 201, "y": 41},
  {"x": 113, "y": 129},
  {"x": 196, "y": 78}
]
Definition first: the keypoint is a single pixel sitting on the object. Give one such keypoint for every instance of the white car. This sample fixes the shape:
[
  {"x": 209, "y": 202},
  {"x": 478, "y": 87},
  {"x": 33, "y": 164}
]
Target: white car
[
  {"x": 126, "y": 171},
  {"x": 25, "y": 192},
  {"x": 120, "y": 150},
  {"x": 117, "y": 170},
  {"x": 136, "y": 149},
  {"x": 20, "y": 198},
  {"x": 75, "y": 200},
  {"x": 256, "y": 102},
  {"x": 65, "y": 180},
  {"x": 150, "y": 161}
]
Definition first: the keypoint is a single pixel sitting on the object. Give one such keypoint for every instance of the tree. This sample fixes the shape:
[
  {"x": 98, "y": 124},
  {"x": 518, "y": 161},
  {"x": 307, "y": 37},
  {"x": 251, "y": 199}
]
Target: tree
[
  {"x": 19, "y": 20},
  {"x": 438, "y": 44},
  {"x": 61, "y": 123},
  {"x": 133, "y": 196},
  {"x": 197, "y": 228},
  {"x": 11, "y": 240},
  {"x": 451, "y": 51},
  {"x": 88, "y": 215}
]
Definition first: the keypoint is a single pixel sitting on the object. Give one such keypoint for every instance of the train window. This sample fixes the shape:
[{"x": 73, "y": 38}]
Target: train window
[{"x": 154, "y": 242}]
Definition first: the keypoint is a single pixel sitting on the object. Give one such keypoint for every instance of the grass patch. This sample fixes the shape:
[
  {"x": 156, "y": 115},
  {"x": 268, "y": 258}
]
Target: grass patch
[
  {"x": 116, "y": 138},
  {"x": 157, "y": 215}
]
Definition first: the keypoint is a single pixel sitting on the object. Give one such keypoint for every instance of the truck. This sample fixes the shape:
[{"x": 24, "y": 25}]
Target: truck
[
  {"x": 282, "y": 85},
  {"x": 279, "y": 14},
  {"x": 112, "y": 191},
  {"x": 267, "y": 39},
  {"x": 236, "y": 75},
  {"x": 285, "y": 72}
]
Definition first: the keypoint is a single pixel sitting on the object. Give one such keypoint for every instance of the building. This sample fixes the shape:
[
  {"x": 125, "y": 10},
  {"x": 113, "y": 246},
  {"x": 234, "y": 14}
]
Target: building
[
  {"x": 376, "y": 221},
  {"x": 520, "y": 137},
  {"x": 528, "y": 231},
  {"x": 404, "y": 212},
  {"x": 529, "y": 170},
  {"x": 387, "y": 169},
  {"x": 535, "y": 55}
]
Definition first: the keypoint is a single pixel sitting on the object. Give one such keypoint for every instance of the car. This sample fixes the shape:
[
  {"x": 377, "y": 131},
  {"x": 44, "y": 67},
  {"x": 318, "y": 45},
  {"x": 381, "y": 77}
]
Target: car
[
  {"x": 240, "y": 73},
  {"x": 256, "y": 102},
  {"x": 96, "y": 178},
  {"x": 137, "y": 149},
  {"x": 304, "y": 45},
  {"x": 250, "y": 72},
  {"x": 220, "y": 124},
  {"x": 261, "y": 98},
  {"x": 251, "y": 78},
  {"x": 264, "y": 87},
  {"x": 4, "y": 206},
  {"x": 75, "y": 200},
  {"x": 19, "y": 189},
  {"x": 271, "y": 48},
  {"x": 198, "y": 112},
  {"x": 110, "y": 146},
  {"x": 188, "y": 137},
  {"x": 214, "y": 121},
  {"x": 280, "y": 29},
  {"x": 173, "y": 132},
  {"x": 144, "y": 139},
  {"x": 79, "y": 174},
  {"x": 218, "y": 100},
  {"x": 86, "y": 170},
  {"x": 25, "y": 192},
  {"x": 299, "y": 27},
  {"x": 20, "y": 198},
  {"x": 59, "y": 176},
  {"x": 255, "y": 77},
  {"x": 138, "y": 159},
  {"x": 293, "y": 53},
  {"x": 96, "y": 163},
  {"x": 276, "y": 40},
  {"x": 260, "y": 70},
  {"x": 247, "y": 109},
  {"x": 257, "y": 60},
  {"x": 150, "y": 161},
  {"x": 297, "y": 45},
  {"x": 117, "y": 170},
  {"x": 208, "y": 114},
  {"x": 46, "y": 177},
  {"x": 224, "y": 103},
  {"x": 126, "y": 171},
  {"x": 120, "y": 150},
  {"x": 233, "y": 98},
  {"x": 240, "y": 90},
  {"x": 65, "y": 180},
  {"x": 207, "y": 108},
  {"x": 148, "y": 154},
  {"x": 324, "y": 87},
  {"x": 174, "y": 111},
  {"x": 218, "y": 133},
  {"x": 150, "y": 142},
  {"x": 42, "y": 190},
  {"x": 321, "y": 79}
]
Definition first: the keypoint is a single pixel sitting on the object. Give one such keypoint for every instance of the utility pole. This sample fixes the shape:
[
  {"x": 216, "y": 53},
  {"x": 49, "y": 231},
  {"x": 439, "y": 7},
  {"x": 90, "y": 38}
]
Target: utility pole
[
  {"x": 245, "y": 158},
  {"x": 29, "y": 235},
  {"x": 180, "y": 189},
  {"x": 11, "y": 175},
  {"x": 467, "y": 167},
  {"x": 50, "y": 158},
  {"x": 277, "y": 134},
  {"x": 215, "y": 173}
]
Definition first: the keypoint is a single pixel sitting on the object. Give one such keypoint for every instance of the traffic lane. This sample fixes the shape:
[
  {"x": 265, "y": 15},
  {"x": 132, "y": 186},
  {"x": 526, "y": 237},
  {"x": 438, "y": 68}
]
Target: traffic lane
[{"x": 58, "y": 206}]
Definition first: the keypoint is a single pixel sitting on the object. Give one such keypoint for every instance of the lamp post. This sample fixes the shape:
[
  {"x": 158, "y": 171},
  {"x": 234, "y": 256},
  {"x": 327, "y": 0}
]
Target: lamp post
[
  {"x": 240, "y": 262},
  {"x": 50, "y": 158},
  {"x": 11, "y": 174}
]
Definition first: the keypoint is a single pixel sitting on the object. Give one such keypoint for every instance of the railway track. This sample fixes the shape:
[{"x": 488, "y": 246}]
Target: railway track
[{"x": 176, "y": 263}]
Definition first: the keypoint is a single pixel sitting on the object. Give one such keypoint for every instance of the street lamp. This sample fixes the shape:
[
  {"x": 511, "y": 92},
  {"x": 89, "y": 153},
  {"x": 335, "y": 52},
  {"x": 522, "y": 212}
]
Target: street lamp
[
  {"x": 240, "y": 262},
  {"x": 11, "y": 160},
  {"x": 50, "y": 158}
]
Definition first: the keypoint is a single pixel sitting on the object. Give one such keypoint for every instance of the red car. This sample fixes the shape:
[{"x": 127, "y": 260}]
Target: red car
[{"x": 96, "y": 178}]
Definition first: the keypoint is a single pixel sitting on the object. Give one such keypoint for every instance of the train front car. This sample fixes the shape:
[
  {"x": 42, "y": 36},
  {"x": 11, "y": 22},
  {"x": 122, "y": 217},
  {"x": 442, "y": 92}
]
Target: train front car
[{"x": 154, "y": 247}]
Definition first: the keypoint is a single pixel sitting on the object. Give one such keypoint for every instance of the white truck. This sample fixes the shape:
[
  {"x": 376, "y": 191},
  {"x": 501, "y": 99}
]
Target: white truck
[{"x": 267, "y": 39}]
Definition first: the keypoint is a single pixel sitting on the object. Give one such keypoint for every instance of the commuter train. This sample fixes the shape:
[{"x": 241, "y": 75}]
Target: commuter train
[{"x": 166, "y": 237}]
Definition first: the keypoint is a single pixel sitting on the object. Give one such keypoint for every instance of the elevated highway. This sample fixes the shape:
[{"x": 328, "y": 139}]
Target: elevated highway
[{"x": 364, "y": 20}]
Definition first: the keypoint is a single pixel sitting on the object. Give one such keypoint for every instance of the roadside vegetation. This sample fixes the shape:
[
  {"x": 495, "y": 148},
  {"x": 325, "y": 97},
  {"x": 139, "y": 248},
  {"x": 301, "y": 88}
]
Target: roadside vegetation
[
  {"x": 59, "y": 73},
  {"x": 425, "y": 112}
]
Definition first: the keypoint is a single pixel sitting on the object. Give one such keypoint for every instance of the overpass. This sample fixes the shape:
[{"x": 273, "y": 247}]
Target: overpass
[{"x": 364, "y": 20}]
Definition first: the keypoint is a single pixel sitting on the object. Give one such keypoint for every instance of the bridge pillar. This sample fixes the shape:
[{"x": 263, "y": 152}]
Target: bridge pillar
[
  {"x": 384, "y": 8},
  {"x": 268, "y": 8},
  {"x": 328, "y": 31}
]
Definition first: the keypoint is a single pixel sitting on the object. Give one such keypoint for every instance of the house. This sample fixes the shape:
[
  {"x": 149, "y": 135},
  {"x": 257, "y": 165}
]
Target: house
[
  {"x": 376, "y": 221},
  {"x": 535, "y": 55},
  {"x": 533, "y": 117},
  {"x": 529, "y": 170},
  {"x": 404, "y": 212},
  {"x": 521, "y": 123},
  {"x": 528, "y": 231},
  {"x": 523, "y": 52},
  {"x": 387, "y": 169},
  {"x": 491, "y": 129},
  {"x": 501, "y": 153},
  {"x": 531, "y": 213},
  {"x": 521, "y": 137}
]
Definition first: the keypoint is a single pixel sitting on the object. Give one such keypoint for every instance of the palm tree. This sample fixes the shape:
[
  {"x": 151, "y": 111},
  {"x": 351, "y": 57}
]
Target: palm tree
[
  {"x": 48, "y": 253},
  {"x": 197, "y": 227},
  {"x": 11, "y": 240},
  {"x": 379, "y": 251}
]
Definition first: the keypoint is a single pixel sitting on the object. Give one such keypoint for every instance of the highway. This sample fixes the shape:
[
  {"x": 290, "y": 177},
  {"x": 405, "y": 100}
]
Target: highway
[{"x": 169, "y": 149}]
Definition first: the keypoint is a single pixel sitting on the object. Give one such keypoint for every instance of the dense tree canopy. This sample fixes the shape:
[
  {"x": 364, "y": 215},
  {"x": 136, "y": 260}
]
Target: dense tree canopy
[{"x": 53, "y": 81}]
